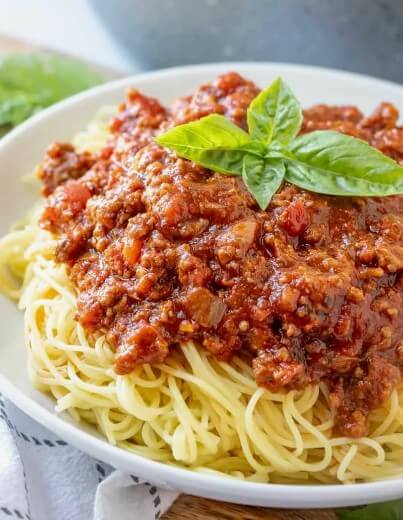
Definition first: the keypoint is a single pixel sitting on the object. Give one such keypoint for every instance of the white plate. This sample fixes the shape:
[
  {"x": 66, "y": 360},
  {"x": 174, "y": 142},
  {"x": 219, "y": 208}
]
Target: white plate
[{"x": 23, "y": 148}]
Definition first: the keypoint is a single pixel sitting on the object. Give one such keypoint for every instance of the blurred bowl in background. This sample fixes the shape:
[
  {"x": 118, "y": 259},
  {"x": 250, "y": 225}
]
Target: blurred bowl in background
[{"x": 360, "y": 35}]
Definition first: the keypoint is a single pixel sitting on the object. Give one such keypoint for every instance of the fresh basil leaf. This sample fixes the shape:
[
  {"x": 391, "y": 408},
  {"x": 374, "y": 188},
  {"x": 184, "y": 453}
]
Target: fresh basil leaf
[
  {"x": 262, "y": 177},
  {"x": 30, "y": 82},
  {"x": 275, "y": 114},
  {"x": 386, "y": 511},
  {"x": 336, "y": 164},
  {"x": 213, "y": 141}
]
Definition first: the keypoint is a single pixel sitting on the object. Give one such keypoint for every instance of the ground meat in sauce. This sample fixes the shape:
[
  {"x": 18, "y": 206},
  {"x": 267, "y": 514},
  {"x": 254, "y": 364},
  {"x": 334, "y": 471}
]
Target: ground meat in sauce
[
  {"x": 162, "y": 250},
  {"x": 60, "y": 164}
]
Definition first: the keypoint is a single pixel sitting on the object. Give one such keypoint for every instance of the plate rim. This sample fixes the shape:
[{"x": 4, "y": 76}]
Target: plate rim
[{"x": 206, "y": 485}]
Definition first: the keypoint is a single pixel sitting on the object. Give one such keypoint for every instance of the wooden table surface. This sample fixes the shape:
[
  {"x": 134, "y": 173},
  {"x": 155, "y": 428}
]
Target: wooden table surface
[
  {"x": 189, "y": 507},
  {"x": 193, "y": 508}
]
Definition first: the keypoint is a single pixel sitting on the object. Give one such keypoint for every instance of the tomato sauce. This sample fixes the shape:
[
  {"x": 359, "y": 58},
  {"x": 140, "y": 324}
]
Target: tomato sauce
[{"x": 162, "y": 251}]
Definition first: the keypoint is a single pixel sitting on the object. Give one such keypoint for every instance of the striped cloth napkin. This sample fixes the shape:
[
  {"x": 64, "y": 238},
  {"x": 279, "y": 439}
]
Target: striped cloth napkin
[{"x": 44, "y": 478}]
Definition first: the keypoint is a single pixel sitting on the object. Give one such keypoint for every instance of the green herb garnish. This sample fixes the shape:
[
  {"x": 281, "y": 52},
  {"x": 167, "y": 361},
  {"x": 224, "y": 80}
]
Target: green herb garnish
[
  {"x": 386, "y": 511},
  {"x": 31, "y": 82},
  {"x": 326, "y": 162}
]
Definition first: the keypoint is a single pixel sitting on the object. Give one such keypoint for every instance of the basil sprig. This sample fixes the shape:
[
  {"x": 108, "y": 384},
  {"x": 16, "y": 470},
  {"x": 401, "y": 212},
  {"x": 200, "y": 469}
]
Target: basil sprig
[{"x": 326, "y": 162}]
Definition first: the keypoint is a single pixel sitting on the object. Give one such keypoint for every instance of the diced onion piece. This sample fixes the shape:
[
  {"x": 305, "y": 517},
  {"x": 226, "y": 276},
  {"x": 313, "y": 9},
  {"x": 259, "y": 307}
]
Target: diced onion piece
[{"x": 204, "y": 307}]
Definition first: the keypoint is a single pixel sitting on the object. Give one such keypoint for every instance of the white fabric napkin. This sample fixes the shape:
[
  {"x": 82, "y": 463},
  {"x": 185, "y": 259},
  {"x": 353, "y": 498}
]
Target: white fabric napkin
[{"x": 44, "y": 478}]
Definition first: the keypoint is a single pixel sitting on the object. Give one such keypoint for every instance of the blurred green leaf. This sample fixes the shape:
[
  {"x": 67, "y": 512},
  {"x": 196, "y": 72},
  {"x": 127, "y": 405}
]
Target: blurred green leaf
[
  {"x": 387, "y": 511},
  {"x": 31, "y": 82},
  {"x": 4, "y": 129}
]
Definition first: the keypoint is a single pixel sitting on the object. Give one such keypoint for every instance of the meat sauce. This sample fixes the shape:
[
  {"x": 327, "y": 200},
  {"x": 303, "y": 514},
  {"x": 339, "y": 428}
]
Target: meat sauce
[{"x": 164, "y": 251}]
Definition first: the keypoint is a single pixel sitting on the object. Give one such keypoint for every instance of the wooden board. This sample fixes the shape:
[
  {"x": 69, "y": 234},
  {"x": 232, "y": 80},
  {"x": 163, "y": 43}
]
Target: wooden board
[
  {"x": 188, "y": 507},
  {"x": 193, "y": 508}
]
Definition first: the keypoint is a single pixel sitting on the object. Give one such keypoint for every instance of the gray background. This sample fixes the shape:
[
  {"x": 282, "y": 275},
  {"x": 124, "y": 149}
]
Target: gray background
[{"x": 360, "y": 35}]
